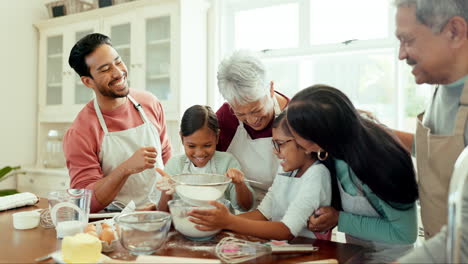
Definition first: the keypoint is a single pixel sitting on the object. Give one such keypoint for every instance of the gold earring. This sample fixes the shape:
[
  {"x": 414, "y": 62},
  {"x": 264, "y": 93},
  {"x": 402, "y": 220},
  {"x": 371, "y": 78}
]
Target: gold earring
[{"x": 319, "y": 155}]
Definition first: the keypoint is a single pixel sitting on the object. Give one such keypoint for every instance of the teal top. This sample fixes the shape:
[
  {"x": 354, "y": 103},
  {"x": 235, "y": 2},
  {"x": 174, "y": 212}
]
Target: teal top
[
  {"x": 222, "y": 161},
  {"x": 395, "y": 226}
]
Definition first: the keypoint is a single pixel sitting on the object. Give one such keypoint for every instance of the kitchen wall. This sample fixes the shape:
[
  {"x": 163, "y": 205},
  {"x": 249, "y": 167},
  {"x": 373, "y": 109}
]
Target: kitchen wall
[{"x": 18, "y": 72}]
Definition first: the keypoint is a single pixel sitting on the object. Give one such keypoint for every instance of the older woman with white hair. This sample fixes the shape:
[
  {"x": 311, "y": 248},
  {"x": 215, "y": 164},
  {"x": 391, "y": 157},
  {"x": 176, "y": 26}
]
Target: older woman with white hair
[{"x": 246, "y": 119}]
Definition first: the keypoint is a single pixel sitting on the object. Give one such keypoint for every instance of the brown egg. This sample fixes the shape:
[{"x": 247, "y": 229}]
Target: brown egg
[
  {"x": 90, "y": 227},
  {"x": 93, "y": 233},
  {"x": 107, "y": 234},
  {"x": 105, "y": 225}
]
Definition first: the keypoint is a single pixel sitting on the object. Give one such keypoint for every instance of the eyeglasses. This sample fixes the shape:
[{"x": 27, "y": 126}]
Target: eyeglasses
[{"x": 277, "y": 144}]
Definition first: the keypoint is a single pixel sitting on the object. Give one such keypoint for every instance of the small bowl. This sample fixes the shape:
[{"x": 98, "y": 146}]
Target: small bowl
[
  {"x": 179, "y": 210},
  {"x": 199, "y": 188},
  {"x": 143, "y": 233},
  {"x": 26, "y": 220}
]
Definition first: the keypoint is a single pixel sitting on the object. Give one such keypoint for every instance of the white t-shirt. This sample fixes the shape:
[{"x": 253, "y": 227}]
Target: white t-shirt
[{"x": 292, "y": 200}]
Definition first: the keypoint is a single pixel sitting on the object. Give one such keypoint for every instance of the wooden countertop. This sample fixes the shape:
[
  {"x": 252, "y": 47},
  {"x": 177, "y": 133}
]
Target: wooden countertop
[{"x": 24, "y": 246}]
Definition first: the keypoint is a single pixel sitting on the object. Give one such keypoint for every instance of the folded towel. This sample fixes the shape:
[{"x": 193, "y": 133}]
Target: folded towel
[{"x": 17, "y": 200}]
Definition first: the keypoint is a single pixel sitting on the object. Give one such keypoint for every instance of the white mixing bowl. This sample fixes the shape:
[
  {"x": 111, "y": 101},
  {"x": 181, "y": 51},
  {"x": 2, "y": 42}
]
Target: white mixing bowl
[{"x": 179, "y": 210}]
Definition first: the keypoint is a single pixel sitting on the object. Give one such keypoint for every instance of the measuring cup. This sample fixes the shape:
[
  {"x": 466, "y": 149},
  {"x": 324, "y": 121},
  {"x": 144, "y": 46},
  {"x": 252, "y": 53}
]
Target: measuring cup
[{"x": 69, "y": 210}]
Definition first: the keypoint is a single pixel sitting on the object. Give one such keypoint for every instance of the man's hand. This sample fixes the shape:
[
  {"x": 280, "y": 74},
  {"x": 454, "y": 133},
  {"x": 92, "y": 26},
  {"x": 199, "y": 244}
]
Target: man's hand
[
  {"x": 144, "y": 158},
  {"x": 324, "y": 218},
  {"x": 236, "y": 175}
]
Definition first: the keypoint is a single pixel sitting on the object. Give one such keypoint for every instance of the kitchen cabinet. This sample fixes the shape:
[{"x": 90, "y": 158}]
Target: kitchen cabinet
[
  {"x": 162, "y": 42},
  {"x": 61, "y": 94},
  {"x": 42, "y": 181}
]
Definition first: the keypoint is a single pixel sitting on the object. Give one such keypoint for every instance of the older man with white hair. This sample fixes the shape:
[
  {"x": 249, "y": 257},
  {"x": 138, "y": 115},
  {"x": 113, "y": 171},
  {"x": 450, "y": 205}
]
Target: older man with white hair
[{"x": 246, "y": 119}]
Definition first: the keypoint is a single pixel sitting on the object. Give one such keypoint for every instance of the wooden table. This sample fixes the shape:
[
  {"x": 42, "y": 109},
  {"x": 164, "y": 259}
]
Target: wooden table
[{"x": 24, "y": 246}]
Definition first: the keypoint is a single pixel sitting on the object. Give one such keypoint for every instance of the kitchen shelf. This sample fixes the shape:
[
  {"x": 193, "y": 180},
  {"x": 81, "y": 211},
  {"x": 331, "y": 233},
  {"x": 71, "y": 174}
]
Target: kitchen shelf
[
  {"x": 159, "y": 42},
  {"x": 55, "y": 56},
  {"x": 158, "y": 76}
]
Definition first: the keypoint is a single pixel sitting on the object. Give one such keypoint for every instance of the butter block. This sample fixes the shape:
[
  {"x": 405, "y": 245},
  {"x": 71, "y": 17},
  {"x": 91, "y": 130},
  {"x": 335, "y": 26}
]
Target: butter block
[{"x": 81, "y": 248}]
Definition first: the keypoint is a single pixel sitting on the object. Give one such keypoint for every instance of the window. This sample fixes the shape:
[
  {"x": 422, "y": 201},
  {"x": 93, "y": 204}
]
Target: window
[
  {"x": 261, "y": 28},
  {"x": 334, "y": 21},
  {"x": 334, "y": 42}
]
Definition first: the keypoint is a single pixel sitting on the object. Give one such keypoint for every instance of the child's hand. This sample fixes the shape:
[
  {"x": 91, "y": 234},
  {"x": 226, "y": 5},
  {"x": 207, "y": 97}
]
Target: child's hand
[
  {"x": 236, "y": 175},
  {"x": 210, "y": 219},
  {"x": 164, "y": 184},
  {"x": 147, "y": 207}
]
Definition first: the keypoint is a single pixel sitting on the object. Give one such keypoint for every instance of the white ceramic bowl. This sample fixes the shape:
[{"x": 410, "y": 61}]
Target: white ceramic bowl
[
  {"x": 199, "y": 188},
  {"x": 26, "y": 220},
  {"x": 179, "y": 210}
]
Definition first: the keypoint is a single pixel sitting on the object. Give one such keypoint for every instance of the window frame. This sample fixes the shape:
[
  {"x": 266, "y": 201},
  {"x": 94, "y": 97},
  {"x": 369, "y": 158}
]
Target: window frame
[{"x": 305, "y": 49}]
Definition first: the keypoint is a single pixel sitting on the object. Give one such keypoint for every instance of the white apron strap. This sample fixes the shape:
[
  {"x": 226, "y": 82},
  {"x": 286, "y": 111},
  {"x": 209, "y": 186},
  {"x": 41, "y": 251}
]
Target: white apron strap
[
  {"x": 139, "y": 108},
  {"x": 100, "y": 117}
]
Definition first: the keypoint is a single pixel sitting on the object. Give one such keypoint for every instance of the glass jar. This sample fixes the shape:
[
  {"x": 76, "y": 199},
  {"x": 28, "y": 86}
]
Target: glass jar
[{"x": 53, "y": 153}]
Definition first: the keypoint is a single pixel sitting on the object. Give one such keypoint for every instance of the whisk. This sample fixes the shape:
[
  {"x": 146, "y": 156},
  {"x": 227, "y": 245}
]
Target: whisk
[
  {"x": 234, "y": 250},
  {"x": 45, "y": 219}
]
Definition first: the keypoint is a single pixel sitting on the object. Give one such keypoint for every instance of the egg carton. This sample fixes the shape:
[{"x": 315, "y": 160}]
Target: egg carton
[{"x": 106, "y": 245}]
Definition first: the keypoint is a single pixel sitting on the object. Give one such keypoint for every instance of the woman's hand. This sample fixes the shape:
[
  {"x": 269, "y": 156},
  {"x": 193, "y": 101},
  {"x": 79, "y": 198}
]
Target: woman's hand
[
  {"x": 323, "y": 219},
  {"x": 164, "y": 184},
  {"x": 211, "y": 219},
  {"x": 236, "y": 175}
]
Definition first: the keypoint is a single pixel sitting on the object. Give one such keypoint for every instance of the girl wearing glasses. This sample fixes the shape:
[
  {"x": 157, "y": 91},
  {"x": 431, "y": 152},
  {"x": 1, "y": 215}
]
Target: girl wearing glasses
[
  {"x": 375, "y": 174},
  {"x": 199, "y": 132},
  {"x": 301, "y": 185}
]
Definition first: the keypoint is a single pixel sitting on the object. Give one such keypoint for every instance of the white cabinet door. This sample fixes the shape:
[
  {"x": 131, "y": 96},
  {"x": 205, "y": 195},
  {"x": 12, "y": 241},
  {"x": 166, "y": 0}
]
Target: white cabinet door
[
  {"x": 53, "y": 56},
  {"x": 61, "y": 93},
  {"x": 159, "y": 52},
  {"x": 79, "y": 93},
  {"x": 121, "y": 30}
]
